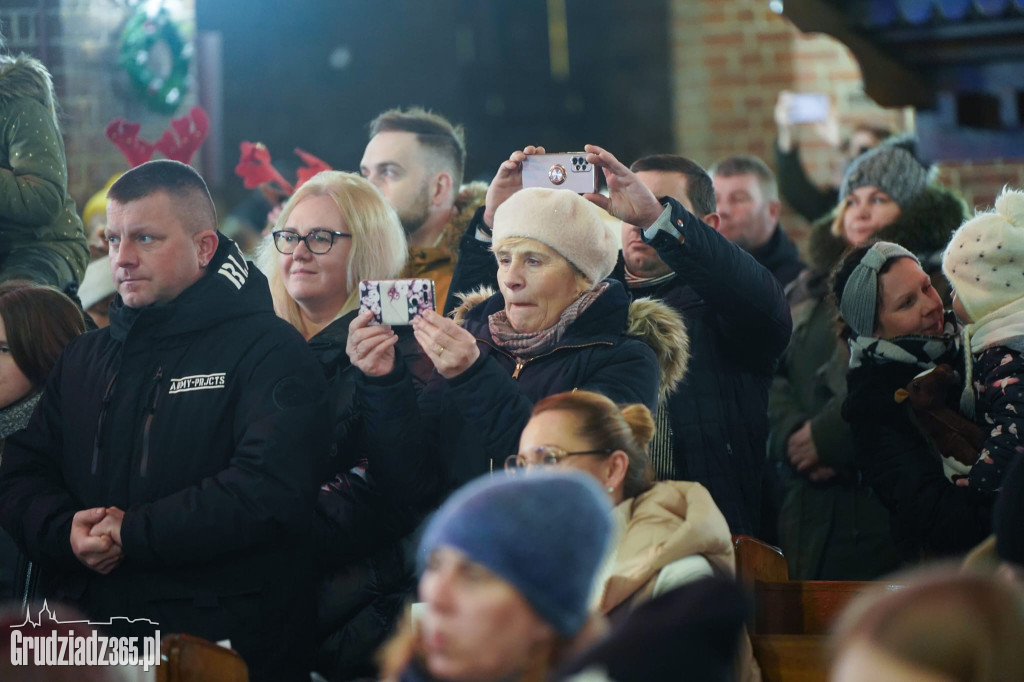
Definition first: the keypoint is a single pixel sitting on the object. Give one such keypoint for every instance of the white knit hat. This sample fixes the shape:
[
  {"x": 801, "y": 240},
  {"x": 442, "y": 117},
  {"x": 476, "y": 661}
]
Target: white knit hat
[
  {"x": 563, "y": 221},
  {"x": 97, "y": 284},
  {"x": 985, "y": 258}
]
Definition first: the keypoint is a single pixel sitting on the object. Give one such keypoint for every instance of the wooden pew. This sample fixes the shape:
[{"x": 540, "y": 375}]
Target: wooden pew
[
  {"x": 791, "y": 658},
  {"x": 185, "y": 658},
  {"x": 791, "y": 617}
]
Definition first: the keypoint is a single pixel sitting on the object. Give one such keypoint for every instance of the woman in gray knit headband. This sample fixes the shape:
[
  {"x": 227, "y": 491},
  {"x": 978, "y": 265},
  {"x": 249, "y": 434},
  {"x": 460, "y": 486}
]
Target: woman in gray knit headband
[
  {"x": 886, "y": 294},
  {"x": 905, "y": 356}
]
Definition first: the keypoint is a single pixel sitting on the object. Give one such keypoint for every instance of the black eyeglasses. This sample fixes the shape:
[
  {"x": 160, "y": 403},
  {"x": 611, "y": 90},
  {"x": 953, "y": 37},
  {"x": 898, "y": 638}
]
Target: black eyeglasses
[
  {"x": 544, "y": 456},
  {"x": 318, "y": 241}
]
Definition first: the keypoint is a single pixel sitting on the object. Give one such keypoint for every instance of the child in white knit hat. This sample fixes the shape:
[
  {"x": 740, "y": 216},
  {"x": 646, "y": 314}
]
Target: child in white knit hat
[{"x": 985, "y": 264}]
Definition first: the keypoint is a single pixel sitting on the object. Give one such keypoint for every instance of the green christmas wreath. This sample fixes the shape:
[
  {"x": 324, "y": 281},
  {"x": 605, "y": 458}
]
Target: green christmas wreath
[{"x": 160, "y": 93}]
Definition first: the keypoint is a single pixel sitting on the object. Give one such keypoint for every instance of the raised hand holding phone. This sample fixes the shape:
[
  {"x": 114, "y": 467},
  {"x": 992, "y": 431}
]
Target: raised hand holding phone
[
  {"x": 507, "y": 181},
  {"x": 628, "y": 199}
]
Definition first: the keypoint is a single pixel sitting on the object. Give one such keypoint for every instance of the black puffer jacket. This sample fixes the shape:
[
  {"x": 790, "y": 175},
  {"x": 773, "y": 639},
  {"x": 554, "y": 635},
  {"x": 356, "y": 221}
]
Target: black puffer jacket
[
  {"x": 364, "y": 544},
  {"x": 206, "y": 420},
  {"x": 738, "y": 325},
  {"x": 928, "y": 514},
  {"x": 466, "y": 426}
]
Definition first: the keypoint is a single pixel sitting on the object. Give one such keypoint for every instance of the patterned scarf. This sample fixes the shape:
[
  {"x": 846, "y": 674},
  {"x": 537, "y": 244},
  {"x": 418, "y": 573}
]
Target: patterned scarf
[
  {"x": 924, "y": 352},
  {"x": 15, "y": 417},
  {"x": 531, "y": 344}
]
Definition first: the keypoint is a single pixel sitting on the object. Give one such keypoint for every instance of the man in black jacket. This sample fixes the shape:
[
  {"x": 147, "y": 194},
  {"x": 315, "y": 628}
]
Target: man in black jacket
[
  {"x": 747, "y": 197},
  {"x": 714, "y": 428},
  {"x": 170, "y": 469}
]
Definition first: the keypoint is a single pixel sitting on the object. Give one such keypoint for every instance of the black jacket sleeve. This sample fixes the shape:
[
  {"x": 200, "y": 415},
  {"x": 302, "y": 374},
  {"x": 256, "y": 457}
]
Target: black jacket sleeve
[
  {"x": 1009, "y": 515},
  {"x": 282, "y": 429},
  {"x": 35, "y": 506},
  {"x": 924, "y": 507},
  {"x": 798, "y": 191},
  {"x": 401, "y": 441},
  {"x": 475, "y": 267},
  {"x": 749, "y": 300}
]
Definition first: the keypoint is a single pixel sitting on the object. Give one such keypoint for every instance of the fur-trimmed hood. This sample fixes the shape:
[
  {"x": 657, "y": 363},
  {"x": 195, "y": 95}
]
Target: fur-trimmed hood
[
  {"x": 470, "y": 197},
  {"x": 650, "y": 320},
  {"x": 924, "y": 227},
  {"x": 24, "y": 77}
]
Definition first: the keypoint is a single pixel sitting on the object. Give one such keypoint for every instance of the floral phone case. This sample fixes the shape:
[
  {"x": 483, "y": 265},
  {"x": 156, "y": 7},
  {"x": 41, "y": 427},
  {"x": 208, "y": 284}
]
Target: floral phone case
[{"x": 396, "y": 301}]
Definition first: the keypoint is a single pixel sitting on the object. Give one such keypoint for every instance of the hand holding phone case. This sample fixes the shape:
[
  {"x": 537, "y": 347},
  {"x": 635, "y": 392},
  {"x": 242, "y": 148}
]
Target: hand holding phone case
[{"x": 396, "y": 301}]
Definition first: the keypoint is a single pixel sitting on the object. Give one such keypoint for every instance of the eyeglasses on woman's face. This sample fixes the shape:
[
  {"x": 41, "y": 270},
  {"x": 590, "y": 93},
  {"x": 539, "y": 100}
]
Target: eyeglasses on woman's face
[
  {"x": 543, "y": 456},
  {"x": 318, "y": 241}
]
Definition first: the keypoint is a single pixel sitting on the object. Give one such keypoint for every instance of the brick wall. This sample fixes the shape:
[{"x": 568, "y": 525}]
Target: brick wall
[
  {"x": 731, "y": 59},
  {"x": 79, "y": 44}
]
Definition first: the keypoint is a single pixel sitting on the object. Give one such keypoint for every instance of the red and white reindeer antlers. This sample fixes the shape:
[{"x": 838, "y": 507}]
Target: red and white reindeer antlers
[
  {"x": 255, "y": 168},
  {"x": 191, "y": 131},
  {"x": 312, "y": 167},
  {"x": 125, "y": 136}
]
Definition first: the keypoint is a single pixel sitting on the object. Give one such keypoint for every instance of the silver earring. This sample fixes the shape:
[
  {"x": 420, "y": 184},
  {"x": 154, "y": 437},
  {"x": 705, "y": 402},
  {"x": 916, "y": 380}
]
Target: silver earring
[{"x": 611, "y": 489}]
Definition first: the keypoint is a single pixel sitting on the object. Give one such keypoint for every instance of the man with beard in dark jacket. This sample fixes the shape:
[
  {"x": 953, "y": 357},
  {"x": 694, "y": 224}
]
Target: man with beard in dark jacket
[
  {"x": 714, "y": 427},
  {"x": 170, "y": 469}
]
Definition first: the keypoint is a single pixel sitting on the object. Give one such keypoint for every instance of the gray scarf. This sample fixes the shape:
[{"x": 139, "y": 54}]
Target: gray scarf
[{"x": 14, "y": 417}]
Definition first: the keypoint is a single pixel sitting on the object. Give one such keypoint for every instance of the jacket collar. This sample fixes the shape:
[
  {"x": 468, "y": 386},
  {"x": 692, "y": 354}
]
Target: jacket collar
[
  {"x": 777, "y": 251},
  {"x": 230, "y": 288}
]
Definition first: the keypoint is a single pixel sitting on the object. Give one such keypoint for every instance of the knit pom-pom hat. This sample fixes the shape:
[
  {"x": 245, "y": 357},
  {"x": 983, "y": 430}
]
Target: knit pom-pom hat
[{"x": 984, "y": 260}]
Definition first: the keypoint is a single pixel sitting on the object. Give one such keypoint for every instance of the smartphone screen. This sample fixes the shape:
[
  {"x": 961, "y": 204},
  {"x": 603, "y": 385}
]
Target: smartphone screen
[{"x": 808, "y": 107}]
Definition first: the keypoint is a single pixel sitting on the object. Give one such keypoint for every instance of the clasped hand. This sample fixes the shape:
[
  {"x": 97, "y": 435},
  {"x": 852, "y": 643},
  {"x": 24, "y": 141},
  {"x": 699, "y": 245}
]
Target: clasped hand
[{"x": 96, "y": 538}]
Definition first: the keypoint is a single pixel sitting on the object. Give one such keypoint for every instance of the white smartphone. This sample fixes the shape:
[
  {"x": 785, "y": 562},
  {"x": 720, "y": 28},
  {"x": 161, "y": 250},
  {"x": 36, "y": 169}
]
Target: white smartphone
[
  {"x": 567, "y": 170},
  {"x": 810, "y": 107}
]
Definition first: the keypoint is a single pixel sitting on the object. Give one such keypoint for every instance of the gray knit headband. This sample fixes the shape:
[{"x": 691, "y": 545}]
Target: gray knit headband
[{"x": 860, "y": 295}]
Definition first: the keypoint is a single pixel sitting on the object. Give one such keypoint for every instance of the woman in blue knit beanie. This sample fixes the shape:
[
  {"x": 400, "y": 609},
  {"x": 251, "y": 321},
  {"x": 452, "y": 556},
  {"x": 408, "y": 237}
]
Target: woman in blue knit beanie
[{"x": 508, "y": 567}]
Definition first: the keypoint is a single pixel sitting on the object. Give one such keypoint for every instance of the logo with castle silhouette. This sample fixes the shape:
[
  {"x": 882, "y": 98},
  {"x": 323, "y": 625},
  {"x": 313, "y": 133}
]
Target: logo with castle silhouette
[{"x": 79, "y": 643}]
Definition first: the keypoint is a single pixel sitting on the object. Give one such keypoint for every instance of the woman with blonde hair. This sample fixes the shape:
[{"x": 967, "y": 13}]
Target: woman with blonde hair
[{"x": 336, "y": 230}]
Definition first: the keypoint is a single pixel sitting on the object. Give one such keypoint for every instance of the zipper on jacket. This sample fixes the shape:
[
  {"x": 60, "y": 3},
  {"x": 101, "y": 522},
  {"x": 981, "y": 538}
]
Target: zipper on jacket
[
  {"x": 520, "y": 364},
  {"x": 153, "y": 400},
  {"x": 98, "y": 441}
]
